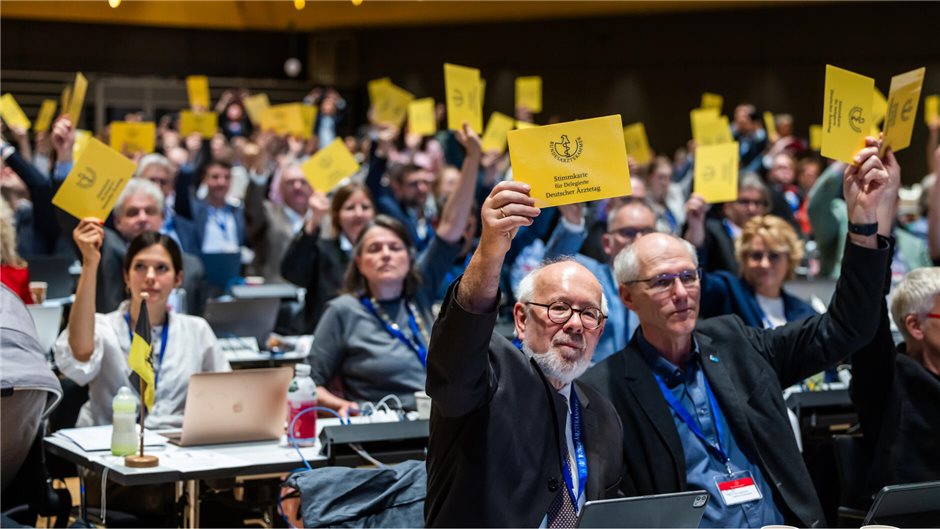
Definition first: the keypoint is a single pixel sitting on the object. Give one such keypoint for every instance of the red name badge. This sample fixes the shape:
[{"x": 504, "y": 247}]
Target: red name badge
[{"x": 739, "y": 488}]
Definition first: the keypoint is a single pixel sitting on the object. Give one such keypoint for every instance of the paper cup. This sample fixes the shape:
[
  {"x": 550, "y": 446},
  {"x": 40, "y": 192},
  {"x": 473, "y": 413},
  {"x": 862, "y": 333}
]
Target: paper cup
[
  {"x": 424, "y": 404},
  {"x": 37, "y": 289}
]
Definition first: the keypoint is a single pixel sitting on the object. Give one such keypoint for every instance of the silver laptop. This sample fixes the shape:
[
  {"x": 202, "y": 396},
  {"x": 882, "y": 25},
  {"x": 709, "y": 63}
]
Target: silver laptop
[
  {"x": 678, "y": 509},
  {"x": 235, "y": 406}
]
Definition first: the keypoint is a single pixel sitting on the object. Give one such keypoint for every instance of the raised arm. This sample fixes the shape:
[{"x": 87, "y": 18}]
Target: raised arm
[
  {"x": 88, "y": 236},
  {"x": 453, "y": 220}
]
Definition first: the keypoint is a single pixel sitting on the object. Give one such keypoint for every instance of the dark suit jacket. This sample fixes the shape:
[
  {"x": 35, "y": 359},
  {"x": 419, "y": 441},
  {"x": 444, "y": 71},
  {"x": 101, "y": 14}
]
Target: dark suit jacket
[
  {"x": 497, "y": 428},
  {"x": 747, "y": 368},
  {"x": 719, "y": 248},
  {"x": 190, "y": 238},
  {"x": 319, "y": 266}
]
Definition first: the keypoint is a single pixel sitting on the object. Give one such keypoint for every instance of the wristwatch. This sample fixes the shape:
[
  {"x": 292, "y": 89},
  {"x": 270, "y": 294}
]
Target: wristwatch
[{"x": 863, "y": 229}]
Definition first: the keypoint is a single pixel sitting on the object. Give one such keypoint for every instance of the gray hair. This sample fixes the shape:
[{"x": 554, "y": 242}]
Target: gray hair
[
  {"x": 629, "y": 201},
  {"x": 915, "y": 295},
  {"x": 525, "y": 292},
  {"x": 627, "y": 263},
  {"x": 138, "y": 186},
  {"x": 155, "y": 159},
  {"x": 750, "y": 180}
]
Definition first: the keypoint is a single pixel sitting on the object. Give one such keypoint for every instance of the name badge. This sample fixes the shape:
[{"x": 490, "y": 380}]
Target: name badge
[{"x": 738, "y": 488}]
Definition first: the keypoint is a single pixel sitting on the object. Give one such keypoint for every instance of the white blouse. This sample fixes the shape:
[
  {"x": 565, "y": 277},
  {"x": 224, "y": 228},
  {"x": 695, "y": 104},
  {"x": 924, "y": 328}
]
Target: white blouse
[{"x": 191, "y": 348}]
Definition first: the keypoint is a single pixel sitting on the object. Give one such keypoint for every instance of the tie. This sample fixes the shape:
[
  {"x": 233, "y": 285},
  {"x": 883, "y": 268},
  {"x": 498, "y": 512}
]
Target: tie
[{"x": 561, "y": 512}]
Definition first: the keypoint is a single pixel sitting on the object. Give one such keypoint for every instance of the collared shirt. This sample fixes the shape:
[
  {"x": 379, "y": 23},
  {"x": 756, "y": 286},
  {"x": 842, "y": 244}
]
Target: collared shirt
[
  {"x": 221, "y": 231},
  {"x": 702, "y": 467},
  {"x": 296, "y": 220}
]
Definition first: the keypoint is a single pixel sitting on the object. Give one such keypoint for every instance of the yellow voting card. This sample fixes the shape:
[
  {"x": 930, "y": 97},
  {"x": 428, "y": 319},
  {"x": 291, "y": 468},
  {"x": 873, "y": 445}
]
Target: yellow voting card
[
  {"x": 287, "y": 119},
  {"x": 494, "y": 137},
  {"x": 205, "y": 123},
  {"x": 66, "y": 97},
  {"x": 77, "y": 98},
  {"x": 572, "y": 162},
  {"x": 482, "y": 94},
  {"x": 464, "y": 103},
  {"x": 131, "y": 137},
  {"x": 716, "y": 172},
  {"x": 12, "y": 114},
  {"x": 46, "y": 115},
  {"x": 638, "y": 146},
  {"x": 197, "y": 86},
  {"x": 330, "y": 166},
  {"x": 529, "y": 93},
  {"x": 81, "y": 141},
  {"x": 713, "y": 101},
  {"x": 421, "y": 117},
  {"x": 903, "y": 98},
  {"x": 309, "y": 115},
  {"x": 95, "y": 182},
  {"x": 524, "y": 125},
  {"x": 392, "y": 105},
  {"x": 931, "y": 109},
  {"x": 847, "y": 115},
  {"x": 709, "y": 128},
  {"x": 377, "y": 89},
  {"x": 879, "y": 107},
  {"x": 255, "y": 105},
  {"x": 770, "y": 125},
  {"x": 815, "y": 137}
]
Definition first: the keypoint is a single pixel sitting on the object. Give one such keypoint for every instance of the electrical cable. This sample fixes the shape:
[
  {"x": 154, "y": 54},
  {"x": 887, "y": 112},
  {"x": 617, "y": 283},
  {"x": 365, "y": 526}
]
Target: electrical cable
[
  {"x": 290, "y": 429},
  {"x": 104, "y": 497}
]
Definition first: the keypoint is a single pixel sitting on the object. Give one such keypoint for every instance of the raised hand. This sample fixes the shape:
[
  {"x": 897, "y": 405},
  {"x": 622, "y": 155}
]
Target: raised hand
[
  {"x": 469, "y": 139},
  {"x": 63, "y": 138},
  {"x": 89, "y": 236},
  {"x": 506, "y": 209}
]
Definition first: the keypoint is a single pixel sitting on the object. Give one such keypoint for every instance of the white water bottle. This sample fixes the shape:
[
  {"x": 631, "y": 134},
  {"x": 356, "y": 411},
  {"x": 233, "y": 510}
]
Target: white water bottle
[
  {"x": 124, "y": 423},
  {"x": 302, "y": 395}
]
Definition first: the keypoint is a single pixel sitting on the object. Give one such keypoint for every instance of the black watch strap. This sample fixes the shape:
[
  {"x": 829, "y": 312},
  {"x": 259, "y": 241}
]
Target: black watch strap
[{"x": 863, "y": 229}]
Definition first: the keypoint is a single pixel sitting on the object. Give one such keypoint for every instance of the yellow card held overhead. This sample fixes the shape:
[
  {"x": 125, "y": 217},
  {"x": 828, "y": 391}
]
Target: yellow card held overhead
[
  {"x": 95, "y": 182},
  {"x": 463, "y": 90},
  {"x": 309, "y": 115},
  {"x": 12, "y": 114},
  {"x": 421, "y": 119},
  {"x": 287, "y": 119},
  {"x": 82, "y": 138},
  {"x": 709, "y": 128},
  {"x": 77, "y": 98},
  {"x": 572, "y": 162},
  {"x": 771, "y": 125},
  {"x": 846, "y": 113},
  {"x": 205, "y": 123},
  {"x": 716, "y": 172},
  {"x": 525, "y": 125},
  {"x": 46, "y": 115},
  {"x": 815, "y": 137},
  {"x": 66, "y": 97},
  {"x": 392, "y": 105},
  {"x": 377, "y": 89},
  {"x": 494, "y": 137},
  {"x": 931, "y": 109},
  {"x": 130, "y": 138},
  {"x": 330, "y": 166},
  {"x": 638, "y": 146},
  {"x": 710, "y": 100},
  {"x": 197, "y": 86},
  {"x": 903, "y": 98},
  {"x": 529, "y": 93},
  {"x": 255, "y": 105}
]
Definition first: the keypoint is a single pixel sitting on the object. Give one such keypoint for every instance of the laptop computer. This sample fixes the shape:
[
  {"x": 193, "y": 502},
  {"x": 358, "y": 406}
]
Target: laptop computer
[
  {"x": 243, "y": 317},
  {"x": 910, "y": 505},
  {"x": 234, "y": 406},
  {"x": 222, "y": 268},
  {"x": 678, "y": 509}
]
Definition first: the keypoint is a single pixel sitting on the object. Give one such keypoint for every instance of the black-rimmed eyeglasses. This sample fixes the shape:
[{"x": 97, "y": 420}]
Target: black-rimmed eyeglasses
[{"x": 560, "y": 312}]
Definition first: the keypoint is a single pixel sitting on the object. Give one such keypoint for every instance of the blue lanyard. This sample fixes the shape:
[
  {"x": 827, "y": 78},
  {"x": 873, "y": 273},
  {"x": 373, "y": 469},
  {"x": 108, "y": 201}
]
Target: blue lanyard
[
  {"x": 579, "y": 455},
  {"x": 415, "y": 345},
  {"x": 163, "y": 336},
  {"x": 690, "y": 422}
]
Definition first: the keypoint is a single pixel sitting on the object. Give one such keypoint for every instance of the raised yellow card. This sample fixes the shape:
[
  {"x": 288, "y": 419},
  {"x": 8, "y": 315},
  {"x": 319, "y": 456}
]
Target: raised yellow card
[
  {"x": 903, "y": 98},
  {"x": 815, "y": 137},
  {"x": 847, "y": 115},
  {"x": 525, "y": 125},
  {"x": 132, "y": 137},
  {"x": 255, "y": 105},
  {"x": 421, "y": 119},
  {"x": 205, "y": 123},
  {"x": 392, "y": 107},
  {"x": 716, "y": 172},
  {"x": 309, "y": 115},
  {"x": 45, "y": 116},
  {"x": 82, "y": 138},
  {"x": 638, "y": 146},
  {"x": 494, "y": 137},
  {"x": 709, "y": 128},
  {"x": 330, "y": 166},
  {"x": 710, "y": 100},
  {"x": 95, "y": 182},
  {"x": 931, "y": 109},
  {"x": 288, "y": 119},
  {"x": 12, "y": 114},
  {"x": 197, "y": 86},
  {"x": 529, "y": 93},
  {"x": 66, "y": 97},
  {"x": 879, "y": 107},
  {"x": 572, "y": 162},
  {"x": 377, "y": 89},
  {"x": 482, "y": 94},
  {"x": 771, "y": 125},
  {"x": 77, "y": 99},
  {"x": 464, "y": 104}
]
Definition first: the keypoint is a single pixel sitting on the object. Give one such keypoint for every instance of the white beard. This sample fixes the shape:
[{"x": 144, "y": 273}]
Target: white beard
[{"x": 555, "y": 367}]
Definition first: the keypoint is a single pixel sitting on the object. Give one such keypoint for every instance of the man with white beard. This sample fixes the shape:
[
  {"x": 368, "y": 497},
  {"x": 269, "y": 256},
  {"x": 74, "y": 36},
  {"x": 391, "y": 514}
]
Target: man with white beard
[{"x": 514, "y": 441}]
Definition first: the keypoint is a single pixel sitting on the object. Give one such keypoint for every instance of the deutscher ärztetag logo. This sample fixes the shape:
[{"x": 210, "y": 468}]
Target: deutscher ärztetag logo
[
  {"x": 856, "y": 119},
  {"x": 86, "y": 178},
  {"x": 566, "y": 150}
]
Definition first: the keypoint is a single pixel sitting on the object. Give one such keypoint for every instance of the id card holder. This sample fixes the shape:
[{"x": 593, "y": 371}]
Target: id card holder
[{"x": 737, "y": 488}]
